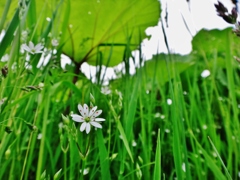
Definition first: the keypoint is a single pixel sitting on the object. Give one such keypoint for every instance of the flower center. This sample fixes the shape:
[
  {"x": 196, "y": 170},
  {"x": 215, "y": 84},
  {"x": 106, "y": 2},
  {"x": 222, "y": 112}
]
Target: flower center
[{"x": 87, "y": 119}]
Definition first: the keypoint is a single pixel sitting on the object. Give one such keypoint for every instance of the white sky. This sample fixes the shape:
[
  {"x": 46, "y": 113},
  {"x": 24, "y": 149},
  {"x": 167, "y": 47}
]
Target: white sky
[{"x": 198, "y": 14}]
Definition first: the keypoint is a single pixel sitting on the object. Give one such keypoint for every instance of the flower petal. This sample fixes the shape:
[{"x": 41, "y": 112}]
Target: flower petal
[
  {"x": 38, "y": 47},
  {"x": 97, "y": 113},
  {"x": 55, "y": 42},
  {"x": 31, "y": 45},
  {"x": 77, "y": 118},
  {"x": 92, "y": 111},
  {"x": 81, "y": 110},
  {"x": 88, "y": 127},
  {"x": 99, "y": 119},
  {"x": 96, "y": 124},
  {"x": 83, "y": 126},
  {"x": 85, "y": 110},
  {"x": 26, "y": 48},
  {"x": 37, "y": 51}
]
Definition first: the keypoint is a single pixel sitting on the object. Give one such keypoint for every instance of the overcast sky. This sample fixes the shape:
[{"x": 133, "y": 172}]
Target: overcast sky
[{"x": 198, "y": 14}]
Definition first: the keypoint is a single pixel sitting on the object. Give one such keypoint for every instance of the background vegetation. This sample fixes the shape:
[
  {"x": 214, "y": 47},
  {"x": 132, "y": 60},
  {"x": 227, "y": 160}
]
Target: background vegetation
[{"x": 165, "y": 122}]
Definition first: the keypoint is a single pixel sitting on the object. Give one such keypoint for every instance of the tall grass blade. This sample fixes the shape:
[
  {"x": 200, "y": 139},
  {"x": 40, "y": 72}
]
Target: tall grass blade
[
  {"x": 104, "y": 159},
  {"x": 4, "y": 14},
  {"x": 125, "y": 140},
  {"x": 9, "y": 35},
  {"x": 157, "y": 167},
  {"x": 210, "y": 163},
  {"x": 219, "y": 157}
]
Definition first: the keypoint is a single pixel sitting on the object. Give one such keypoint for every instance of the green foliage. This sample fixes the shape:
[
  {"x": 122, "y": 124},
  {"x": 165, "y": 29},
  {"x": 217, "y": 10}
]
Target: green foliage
[
  {"x": 94, "y": 30},
  {"x": 162, "y": 67},
  {"x": 103, "y": 29},
  {"x": 157, "y": 167},
  {"x": 144, "y": 136}
]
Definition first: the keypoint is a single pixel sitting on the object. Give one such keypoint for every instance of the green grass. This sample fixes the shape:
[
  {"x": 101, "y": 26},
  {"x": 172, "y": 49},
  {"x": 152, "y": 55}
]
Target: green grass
[{"x": 143, "y": 137}]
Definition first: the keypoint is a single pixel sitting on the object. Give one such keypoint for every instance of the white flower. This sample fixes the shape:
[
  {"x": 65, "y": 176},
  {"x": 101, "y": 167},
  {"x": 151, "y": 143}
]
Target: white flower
[
  {"x": 33, "y": 49},
  {"x": 88, "y": 117},
  {"x": 105, "y": 90},
  {"x": 24, "y": 35},
  {"x": 205, "y": 73},
  {"x": 55, "y": 42},
  {"x": 5, "y": 58}
]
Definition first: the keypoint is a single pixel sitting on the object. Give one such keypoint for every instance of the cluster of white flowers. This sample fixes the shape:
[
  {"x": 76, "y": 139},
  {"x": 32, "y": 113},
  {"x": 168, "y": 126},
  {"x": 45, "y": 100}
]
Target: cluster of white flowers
[
  {"x": 32, "y": 49},
  {"x": 88, "y": 117}
]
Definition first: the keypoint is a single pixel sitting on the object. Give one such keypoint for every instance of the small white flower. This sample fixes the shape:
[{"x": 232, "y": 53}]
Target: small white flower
[
  {"x": 5, "y": 58},
  {"x": 55, "y": 42},
  {"x": 39, "y": 136},
  {"x": 24, "y": 35},
  {"x": 184, "y": 167},
  {"x": 134, "y": 144},
  {"x": 105, "y": 90},
  {"x": 48, "y": 19},
  {"x": 85, "y": 171},
  {"x": 33, "y": 49},
  {"x": 169, "y": 101},
  {"x": 88, "y": 117},
  {"x": 205, "y": 73}
]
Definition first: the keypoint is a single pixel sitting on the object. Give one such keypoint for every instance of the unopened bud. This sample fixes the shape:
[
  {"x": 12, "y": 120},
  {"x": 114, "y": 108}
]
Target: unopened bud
[
  {"x": 32, "y": 127},
  {"x": 92, "y": 99},
  {"x": 57, "y": 175},
  {"x": 7, "y": 153},
  {"x": 65, "y": 119},
  {"x": 64, "y": 140}
]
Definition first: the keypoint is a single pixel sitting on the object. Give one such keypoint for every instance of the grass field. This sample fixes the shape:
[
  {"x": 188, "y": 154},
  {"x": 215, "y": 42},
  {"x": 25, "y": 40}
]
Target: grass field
[{"x": 185, "y": 128}]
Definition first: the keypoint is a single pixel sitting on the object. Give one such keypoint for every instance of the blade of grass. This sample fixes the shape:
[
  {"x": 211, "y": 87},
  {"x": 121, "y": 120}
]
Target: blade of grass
[
  {"x": 46, "y": 102},
  {"x": 210, "y": 163},
  {"x": 9, "y": 35},
  {"x": 4, "y": 15},
  {"x": 157, "y": 167},
  {"x": 121, "y": 130},
  {"x": 103, "y": 155},
  {"x": 176, "y": 118},
  {"x": 218, "y": 155},
  {"x": 141, "y": 167}
]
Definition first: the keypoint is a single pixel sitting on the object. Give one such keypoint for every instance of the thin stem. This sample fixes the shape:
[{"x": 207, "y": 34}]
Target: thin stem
[
  {"x": 88, "y": 146},
  {"x": 28, "y": 148},
  {"x": 25, "y": 160},
  {"x": 65, "y": 165},
  {"x": 83, "y": 166}
]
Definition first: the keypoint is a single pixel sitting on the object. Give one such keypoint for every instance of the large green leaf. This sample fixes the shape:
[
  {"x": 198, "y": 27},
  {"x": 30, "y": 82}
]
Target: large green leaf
[
  {"x": 212, "y": 45},
  {"x": 104, "y": 28},
  {"x": 97, "y": 30},
  {"x": 163, "y": 67},
  {"x": 160, "y": 69},
  {"x": 209, "y": 48}
]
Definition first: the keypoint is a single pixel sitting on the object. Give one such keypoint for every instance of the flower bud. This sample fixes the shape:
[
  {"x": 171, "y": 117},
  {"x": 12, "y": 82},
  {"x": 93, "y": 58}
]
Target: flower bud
[
  {"x": 65, "y": 119},
  {"x": 7, "y": 153},
  {"x": 92, "y": 99},
  {"x": 57, "y": 175}
]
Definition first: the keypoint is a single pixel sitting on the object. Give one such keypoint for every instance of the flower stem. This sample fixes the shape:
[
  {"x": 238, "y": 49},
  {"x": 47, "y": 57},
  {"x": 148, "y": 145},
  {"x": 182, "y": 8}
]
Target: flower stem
[
  {"x": 65, "y": 165},
  {"x": 83, "y": 167},
  {"x": 88, "y": 146},
  {"x": 80, "y": 152}
]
